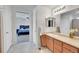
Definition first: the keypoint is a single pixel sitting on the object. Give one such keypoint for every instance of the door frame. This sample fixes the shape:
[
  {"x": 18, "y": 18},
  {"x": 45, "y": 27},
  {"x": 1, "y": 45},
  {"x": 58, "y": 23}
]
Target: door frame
[{"x": 1, "y": 34}]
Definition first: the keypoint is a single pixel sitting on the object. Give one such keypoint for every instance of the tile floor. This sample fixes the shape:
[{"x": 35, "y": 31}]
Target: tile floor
[
  {"x": 22, "y": 38},
  {"x": 27, "y": 47},
  {"x": 44, "y": 50}
]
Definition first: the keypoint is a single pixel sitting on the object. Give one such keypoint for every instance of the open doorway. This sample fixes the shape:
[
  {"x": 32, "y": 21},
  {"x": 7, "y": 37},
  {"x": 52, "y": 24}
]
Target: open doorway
[{"x": 22, "y": 26}]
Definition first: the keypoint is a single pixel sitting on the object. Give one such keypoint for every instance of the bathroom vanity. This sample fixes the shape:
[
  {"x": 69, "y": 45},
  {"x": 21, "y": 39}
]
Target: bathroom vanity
[{"x": 58, "y": 43}]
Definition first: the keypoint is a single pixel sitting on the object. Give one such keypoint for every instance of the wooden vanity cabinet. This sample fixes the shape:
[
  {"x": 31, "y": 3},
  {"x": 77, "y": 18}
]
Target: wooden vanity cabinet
[
  {"x": 69, "y": 49},
  {"x": 50, "y": 43},
  {"x": 47, "y": 41},
  {"x": 57, "y": 46},
  {"x": 43, "y": 40}
]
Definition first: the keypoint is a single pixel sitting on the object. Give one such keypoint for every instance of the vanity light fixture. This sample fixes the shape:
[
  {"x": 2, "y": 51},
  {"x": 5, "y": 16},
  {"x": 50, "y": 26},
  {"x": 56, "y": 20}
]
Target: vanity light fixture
[{"x": 60, "y": 9}]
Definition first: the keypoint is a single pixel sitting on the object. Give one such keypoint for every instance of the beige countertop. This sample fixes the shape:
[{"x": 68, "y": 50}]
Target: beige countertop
[{"x": 72, "y": 41}]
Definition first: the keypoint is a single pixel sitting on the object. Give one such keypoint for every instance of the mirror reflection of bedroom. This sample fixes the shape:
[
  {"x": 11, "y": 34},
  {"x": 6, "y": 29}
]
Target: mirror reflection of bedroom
[{"x": 22, "y": 26}]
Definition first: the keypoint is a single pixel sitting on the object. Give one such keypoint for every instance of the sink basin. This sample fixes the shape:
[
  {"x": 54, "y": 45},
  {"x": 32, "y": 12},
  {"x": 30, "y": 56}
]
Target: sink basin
[{"x": 61, "y": 34}]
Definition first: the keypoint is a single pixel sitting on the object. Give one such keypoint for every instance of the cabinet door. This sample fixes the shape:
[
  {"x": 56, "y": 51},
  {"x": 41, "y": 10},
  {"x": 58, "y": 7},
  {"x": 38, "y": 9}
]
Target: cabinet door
[
  {"x": 57, "y": 46},
  {"x": 69, "y": 49},
  {"x": 43, "y": 40},
  {"x": 50, "y": 43},
  {"x": 66, "y": 50},
  {"x": 57, "y": 50}
]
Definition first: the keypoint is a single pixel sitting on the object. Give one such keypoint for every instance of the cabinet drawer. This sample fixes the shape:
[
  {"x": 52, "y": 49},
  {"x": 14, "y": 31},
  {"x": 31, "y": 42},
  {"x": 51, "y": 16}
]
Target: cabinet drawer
[
  {"x": 56, "y": 42},
  {"x": 43, "y": 36},
  {"x": 69, "y": 48}
]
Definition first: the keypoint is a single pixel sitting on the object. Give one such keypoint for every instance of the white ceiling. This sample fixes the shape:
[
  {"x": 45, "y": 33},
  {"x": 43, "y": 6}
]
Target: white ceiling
[
  {"x": 31, "y": 7},
  {"x": 50, "y": 6},
  {"x": 24, "y": 7}
]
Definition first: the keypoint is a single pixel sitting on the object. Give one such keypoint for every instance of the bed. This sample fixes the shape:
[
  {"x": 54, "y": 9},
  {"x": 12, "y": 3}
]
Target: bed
[{"x": 23, "y": 30}]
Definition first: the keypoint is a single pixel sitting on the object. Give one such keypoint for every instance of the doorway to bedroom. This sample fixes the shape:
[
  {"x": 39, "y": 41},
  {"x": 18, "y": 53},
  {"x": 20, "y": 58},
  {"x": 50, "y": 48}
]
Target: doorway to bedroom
[{"x": 23, "y": 26}]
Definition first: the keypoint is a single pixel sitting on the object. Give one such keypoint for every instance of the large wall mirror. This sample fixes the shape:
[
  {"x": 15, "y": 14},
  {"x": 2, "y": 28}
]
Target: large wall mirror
[
  {"x": 70, "y": 21},
  {"x": 75, "y": 25},
  {"x": 75, "y": 21}
]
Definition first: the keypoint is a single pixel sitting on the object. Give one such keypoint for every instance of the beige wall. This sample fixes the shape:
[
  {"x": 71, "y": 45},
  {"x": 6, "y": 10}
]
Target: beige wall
[
  {"x": 39, "y": 15},
  {"x": 13, "y": 26}
]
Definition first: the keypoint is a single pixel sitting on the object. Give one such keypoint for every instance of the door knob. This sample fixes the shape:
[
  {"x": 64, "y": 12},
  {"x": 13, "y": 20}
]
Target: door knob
[{"x": 7, "y": 32}]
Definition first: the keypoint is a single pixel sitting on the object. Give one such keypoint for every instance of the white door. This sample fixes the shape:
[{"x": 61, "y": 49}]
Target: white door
[
  {"x": 1, "y": 32},
  {"x": 7, "y": 27}
]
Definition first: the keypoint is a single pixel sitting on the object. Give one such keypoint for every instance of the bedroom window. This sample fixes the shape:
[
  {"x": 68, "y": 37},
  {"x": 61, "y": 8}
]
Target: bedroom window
[{"x": 50, "y": 22}]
